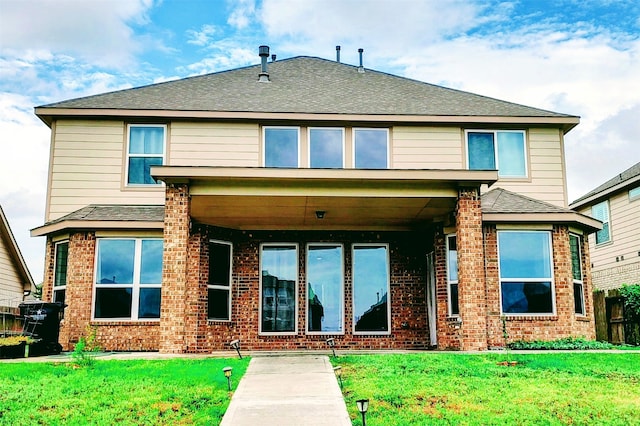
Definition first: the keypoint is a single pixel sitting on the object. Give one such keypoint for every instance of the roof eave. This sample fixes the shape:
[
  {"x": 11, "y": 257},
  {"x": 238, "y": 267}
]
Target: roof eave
[
  {"x": 66, "y": 225},
  {"x": 588, "y": 224},
  {"x": 593, "y": 199}
]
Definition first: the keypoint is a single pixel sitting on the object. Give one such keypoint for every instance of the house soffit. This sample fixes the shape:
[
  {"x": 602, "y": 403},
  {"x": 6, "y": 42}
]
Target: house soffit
[{"x": 260, "y": 198}]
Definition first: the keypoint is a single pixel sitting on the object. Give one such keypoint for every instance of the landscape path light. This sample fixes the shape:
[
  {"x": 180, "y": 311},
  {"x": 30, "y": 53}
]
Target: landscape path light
[
  {"x": 363, "y": 406},
  {"x": 227, "y": 374},
  {"x": 332, "y": 343},
  {"x": 235, "y": 344},
  {"x": 338, "y": 370}
]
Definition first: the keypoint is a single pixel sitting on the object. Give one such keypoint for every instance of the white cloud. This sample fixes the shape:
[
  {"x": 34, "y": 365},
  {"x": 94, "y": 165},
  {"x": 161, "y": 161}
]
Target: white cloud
[
  {"x": 202, "y": 37},
  {"x": 225, "y": 56},
  {"x": 242, "y": 13}
]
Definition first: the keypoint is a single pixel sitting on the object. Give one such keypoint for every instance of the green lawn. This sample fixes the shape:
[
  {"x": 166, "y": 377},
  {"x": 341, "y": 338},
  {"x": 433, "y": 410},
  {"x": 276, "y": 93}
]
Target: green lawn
[
  {"x": 137, "y": 392},
  {"x": 449, "y": 388}
]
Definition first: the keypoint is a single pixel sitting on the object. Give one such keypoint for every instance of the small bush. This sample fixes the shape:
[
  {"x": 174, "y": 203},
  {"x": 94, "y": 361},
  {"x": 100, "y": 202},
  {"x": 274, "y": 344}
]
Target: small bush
[
  {"x": 84, "y": 351},
  {"x": 631, "y": 296},
  {"x": 567, "y": 343}
]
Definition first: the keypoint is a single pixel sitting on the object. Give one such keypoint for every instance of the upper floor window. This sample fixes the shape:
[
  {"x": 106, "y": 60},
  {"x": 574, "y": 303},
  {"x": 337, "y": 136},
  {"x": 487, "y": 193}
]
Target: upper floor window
[
  {"x": 452, "y": 275},
  {"x": 219, "y": 285},
  {"x": 600, "y": 211},
  {"x": 128, "y": 278},
  {"x": 526, "y": 272},
  {"x": 326, "y": 148},
  {"x": 634, "y": 194},
  {"x": 503, "y": 150},
  {"x": 281, "y": 146},
  {"x": 60, "y": 272},
  {"x": 371, "y": 148},
  {"x": 576, "y": 272},
  {"x": 145, "y": 149}
]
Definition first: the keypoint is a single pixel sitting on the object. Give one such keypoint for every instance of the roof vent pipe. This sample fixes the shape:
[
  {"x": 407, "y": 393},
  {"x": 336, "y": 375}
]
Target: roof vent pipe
[
  {"x": 360, "y": 68},
  {"x": 273, "y": 57},
  {"x": 338, "y": 53},
  {"x": 263, "y": 52}
]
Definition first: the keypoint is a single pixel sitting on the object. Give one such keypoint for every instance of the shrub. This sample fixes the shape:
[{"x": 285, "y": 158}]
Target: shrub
[
  {"x": 631, "y": 297},
  {"x": 567, "y": 343}
]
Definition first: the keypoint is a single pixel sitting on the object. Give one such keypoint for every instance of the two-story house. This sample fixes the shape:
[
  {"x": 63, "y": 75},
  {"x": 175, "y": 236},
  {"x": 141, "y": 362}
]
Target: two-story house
[
  {"x": 615, "y": 249},
  {"x": 303, "y": 199}
]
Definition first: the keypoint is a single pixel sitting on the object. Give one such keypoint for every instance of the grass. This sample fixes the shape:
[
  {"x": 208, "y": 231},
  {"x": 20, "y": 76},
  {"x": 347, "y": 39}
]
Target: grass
[
  {"x": 135, "y": 392},
  {"x": 446, "y": 388}
]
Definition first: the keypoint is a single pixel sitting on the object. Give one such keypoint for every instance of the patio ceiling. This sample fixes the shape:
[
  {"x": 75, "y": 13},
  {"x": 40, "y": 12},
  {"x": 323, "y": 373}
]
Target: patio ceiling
[{"x": 271, "y": 199}]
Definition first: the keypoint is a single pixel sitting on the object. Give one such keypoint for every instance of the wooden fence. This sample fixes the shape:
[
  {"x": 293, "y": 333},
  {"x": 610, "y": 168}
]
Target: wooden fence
[{"x": 611, "y": 324}]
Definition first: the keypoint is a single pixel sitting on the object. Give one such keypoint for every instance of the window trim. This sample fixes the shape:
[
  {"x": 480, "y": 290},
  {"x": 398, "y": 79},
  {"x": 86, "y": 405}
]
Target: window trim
[
  {"x": 128, "y": 155},
  {"x": 579, "y": 282},
  {"x": 342, "y": 130},
  {"x": 495, "y": 150},
  {"x": 342, "y": 290},
  {"x": 62, "y": 287},
  {"x": 135, "y": 285},
  {"x": 296, "y": 287},
  {"x": 264, "y": 145},
  {"x": 354, "y": 131},
  {"x": 451, "y": 282},
  {"x": 354, "y": 246},
  {"x": 220, "y": 287},
  {"x": 608, "y": 222},
  {"x": 634, "y": 196},
  {"x": 551, "y": 280}
]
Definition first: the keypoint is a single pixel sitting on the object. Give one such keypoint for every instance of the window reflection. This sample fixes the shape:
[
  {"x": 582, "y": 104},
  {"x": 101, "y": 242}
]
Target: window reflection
[
  {"x": 326, "y": 148},
  {"x": 370, "y": 288},
  {"x": 324, "y": 289},
  {"x": 280, "y": 147},
  {"x": 370, "y": 148},
  {"x": 279, "y": 278}
]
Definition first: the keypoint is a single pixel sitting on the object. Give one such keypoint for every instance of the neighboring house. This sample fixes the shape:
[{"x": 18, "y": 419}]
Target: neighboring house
[
  {"x": 615, "y": 249},
  {"x": 304, "y": 199},
  {"x": 16, "y": 282}
]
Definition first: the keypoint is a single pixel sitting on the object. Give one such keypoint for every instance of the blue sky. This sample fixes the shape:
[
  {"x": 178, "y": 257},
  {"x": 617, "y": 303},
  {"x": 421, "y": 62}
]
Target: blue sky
[{"x": 580, "y": 57}]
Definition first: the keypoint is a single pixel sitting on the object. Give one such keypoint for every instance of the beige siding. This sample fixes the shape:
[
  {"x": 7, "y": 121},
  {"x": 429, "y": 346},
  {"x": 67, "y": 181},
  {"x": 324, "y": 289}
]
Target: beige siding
[
  {"x": 624, "y": 216},
  {"x": 215, "y": 144},
  {"x": 546, "y": 169},
  {"x": 87, "y": 168},
  {"x": 427, "y": 148},
  {"x": 10, "y": 282}
]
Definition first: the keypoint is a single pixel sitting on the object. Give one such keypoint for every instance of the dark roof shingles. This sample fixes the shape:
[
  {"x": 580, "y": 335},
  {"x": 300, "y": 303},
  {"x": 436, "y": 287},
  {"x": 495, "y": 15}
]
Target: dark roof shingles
[
  {"x": 502, "y": 201},
  {"x": 119, "y": 213}
]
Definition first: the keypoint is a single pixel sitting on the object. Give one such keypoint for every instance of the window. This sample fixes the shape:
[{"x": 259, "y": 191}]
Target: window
[
  {"x": 219, "y": 286},
  {"x": 634, "y": 194},
  {"x": 326, "y": 148},
  {"x": 325, "y": 297},
  {"x": 60, "y": 272},
  {"x": 600, "y": 211},
  {"x": 278, "y": 301},
  {"x": 146, "y": 149},
  {"x": 497, "y": 150},
  {"x": 128, "y": 278},
  {"x": 452, "y": 275},
  {"x": 371, "y": 314},
  {"x": 370, "y": 148},
  {"x": 576, "y": 271},
  {"x": 525, "y": 264},
  {"x": 281, "y": 146}
]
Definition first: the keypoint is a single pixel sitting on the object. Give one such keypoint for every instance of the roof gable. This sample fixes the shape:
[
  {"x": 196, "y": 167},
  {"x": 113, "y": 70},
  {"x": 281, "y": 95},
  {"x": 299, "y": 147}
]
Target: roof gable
[
  {"x": 305, "y": 85},
  {"x": 7, "y": 238}
]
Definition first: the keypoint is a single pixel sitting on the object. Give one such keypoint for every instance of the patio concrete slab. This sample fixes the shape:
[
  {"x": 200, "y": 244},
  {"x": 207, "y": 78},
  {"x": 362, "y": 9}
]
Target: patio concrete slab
[{"x": 288, "y": 390}]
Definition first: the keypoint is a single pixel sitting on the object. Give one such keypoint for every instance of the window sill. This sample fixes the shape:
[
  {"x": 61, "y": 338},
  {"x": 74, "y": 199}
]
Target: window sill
[
  {"x": 126, "y": 323},
  {"x": 582, "y": 318},
  {"x": 212, "y": 321},
  {"x": 538, "y": 317}
]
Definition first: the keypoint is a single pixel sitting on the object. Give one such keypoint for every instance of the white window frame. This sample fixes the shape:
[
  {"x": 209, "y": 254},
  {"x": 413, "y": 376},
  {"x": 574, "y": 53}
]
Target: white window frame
[
  {"x": 342, "y": 130},
  {"x": 296, "y": 286},
  {"x": 495, "y": 150},
  {"x": 264, "y": 143},
  {"x": 579, "y": 282},
  {"x": 451, "y": 282},
  {"x": 62, "y": 287},
  {"x": 634, "y": 194},
  {"x": 135, "y": 286},
  {"x": 221, "y": 287},
  {"x": 606, "y": 221},
  {"x": 334, "y": 333},
  {"x": 529, "y": 280},
  {"x": 128, "y": 155},
  {"x": 354, "y": 246},
  {"x": 354, "y": 131}
]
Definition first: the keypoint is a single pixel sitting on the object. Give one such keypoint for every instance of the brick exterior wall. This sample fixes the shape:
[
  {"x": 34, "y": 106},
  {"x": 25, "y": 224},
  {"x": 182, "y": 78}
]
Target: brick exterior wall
[{"x": 615, "y": 277}]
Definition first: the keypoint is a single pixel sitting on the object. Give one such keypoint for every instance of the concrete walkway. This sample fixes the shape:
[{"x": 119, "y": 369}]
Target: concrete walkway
[{"x": 288, "y": 390}]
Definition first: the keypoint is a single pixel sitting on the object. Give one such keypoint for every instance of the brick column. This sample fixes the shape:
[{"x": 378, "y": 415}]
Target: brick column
[
  {"x": 174, "y": 269},
  {"x": 79, "y": 293},
  {"x": 471, "y": 274}
]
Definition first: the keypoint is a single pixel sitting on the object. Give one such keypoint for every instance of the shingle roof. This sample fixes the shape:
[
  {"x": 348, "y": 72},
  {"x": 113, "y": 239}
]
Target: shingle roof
[
  {"x": 502, "y": 201},
  {"x": 305, "y": 85},
  {"x": 625, "y": 176},
  {"x": 118, "y": 213}
]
